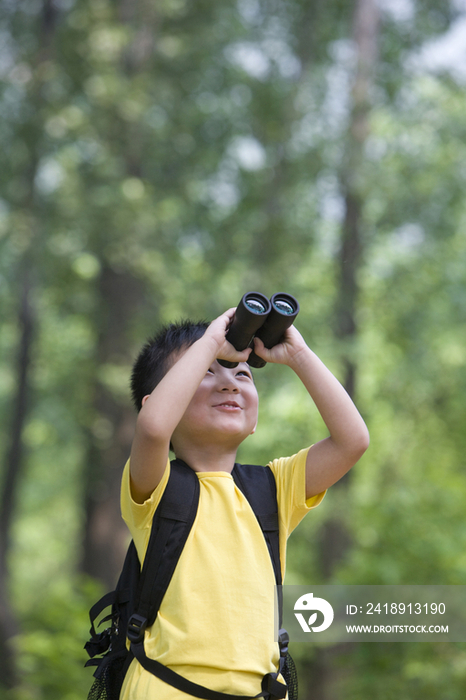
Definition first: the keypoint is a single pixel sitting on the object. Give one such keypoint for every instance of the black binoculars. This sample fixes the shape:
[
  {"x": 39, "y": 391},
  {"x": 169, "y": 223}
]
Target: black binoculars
[{"x": 257, "y": 316}]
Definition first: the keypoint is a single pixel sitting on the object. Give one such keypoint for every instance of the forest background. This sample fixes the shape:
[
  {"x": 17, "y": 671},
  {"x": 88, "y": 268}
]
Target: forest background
[{"x": 161, "y": 158}]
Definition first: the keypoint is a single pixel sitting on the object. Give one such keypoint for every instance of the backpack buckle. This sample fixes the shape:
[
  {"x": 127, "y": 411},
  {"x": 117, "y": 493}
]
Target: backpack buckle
[
  {"x": 137, "y": 625},
  {"x": 99, "y": 643},
  {"x": 283, "y": 641},
  {"x": 272, "y": 688}
]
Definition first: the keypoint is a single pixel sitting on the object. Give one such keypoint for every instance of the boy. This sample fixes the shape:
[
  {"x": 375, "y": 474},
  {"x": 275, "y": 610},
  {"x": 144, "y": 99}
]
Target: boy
[{"x": 216, "y": 622}]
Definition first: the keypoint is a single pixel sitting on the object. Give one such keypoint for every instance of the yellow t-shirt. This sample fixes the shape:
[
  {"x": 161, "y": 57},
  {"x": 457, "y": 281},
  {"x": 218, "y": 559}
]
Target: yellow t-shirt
[{"x": 216, "y": 623}]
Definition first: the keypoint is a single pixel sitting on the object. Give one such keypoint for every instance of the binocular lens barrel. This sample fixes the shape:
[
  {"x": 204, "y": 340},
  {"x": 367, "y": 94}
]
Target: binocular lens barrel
[
  {"x": 284, "y": 310},
  {"x": 250, "y": 314},
  {"x": 268, "y": 320}
]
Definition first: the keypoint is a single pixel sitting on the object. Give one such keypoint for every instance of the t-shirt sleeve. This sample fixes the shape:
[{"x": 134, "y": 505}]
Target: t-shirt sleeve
[
  {"x": 290, "y": 477},
  {"x": 138, "y": 516}
]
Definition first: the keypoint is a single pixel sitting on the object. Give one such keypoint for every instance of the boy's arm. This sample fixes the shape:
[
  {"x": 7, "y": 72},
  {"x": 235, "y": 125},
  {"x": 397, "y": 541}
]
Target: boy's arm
[
  {"x": 163, "y": 408},
  {"x": 329, "y": 459}
]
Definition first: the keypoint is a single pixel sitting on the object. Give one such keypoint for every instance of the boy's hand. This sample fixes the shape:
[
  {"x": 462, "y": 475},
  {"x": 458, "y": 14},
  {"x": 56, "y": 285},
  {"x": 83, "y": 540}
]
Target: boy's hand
[
  {"x": 284, "y": 353},
  {"x": 217, "y": 330}
]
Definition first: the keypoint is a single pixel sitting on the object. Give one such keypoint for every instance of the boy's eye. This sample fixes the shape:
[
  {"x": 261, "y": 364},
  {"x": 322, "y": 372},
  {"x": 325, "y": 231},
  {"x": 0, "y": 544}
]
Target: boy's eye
[{"x": 244, "y": 373}]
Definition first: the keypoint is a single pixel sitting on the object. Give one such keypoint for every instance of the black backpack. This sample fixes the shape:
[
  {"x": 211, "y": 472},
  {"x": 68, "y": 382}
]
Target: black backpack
[{"x": 136, "y": 600}]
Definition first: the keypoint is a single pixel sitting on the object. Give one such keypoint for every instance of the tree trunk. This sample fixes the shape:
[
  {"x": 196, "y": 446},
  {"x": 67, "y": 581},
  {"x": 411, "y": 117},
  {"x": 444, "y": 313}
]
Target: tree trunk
[
  {"x": 13, "y": 471},
  {"x": 119, "y": 295},
  {"x": 110, "y": 436},
  {"x": 366, "y": 22},
  {"x": 32, "y": 134},
  {"x": 335, "y": 540}
]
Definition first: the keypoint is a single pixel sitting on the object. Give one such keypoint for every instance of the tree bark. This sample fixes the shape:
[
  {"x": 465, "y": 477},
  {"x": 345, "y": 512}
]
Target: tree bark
[
  {"x": 13, "y": 471},
  {"x": 105, "y": 535},
  {"x": 365, "y": 32},
  {"x": 335, "y": 540},
  {"x": 32, "y": 132},
  {"x": 119, "y": 294},
  {"x": 366, "y": 24}
]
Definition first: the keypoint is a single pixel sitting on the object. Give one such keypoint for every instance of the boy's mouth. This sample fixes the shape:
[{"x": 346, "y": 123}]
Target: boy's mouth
[{"x": 227, "y": 404}]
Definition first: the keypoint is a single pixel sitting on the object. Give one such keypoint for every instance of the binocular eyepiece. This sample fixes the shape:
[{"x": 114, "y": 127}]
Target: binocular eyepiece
[{"x": 257, "y": 316}]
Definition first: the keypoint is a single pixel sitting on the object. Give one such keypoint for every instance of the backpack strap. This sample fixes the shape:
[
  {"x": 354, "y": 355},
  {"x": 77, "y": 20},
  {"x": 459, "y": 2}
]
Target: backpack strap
[
  {"x": 271, "y": 688},
  {"x": 109, "y": 642},
  {"x": 171, "y": 526},
  {"x": 259, "y": 486}
]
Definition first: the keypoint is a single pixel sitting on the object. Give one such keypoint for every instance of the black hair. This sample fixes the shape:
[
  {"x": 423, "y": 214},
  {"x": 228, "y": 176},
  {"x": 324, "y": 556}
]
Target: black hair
[{"x": 153, "y": 362}]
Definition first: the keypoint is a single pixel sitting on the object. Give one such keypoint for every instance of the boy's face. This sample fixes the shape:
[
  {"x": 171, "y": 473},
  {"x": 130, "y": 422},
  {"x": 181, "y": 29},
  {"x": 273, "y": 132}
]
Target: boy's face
[{"x": 223, "y": 410}]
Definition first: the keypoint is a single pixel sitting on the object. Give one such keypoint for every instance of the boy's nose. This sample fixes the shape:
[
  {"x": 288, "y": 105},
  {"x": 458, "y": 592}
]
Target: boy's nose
[
  {"x": 228, "y": 382},
  {"x": 230, "y": 387}
]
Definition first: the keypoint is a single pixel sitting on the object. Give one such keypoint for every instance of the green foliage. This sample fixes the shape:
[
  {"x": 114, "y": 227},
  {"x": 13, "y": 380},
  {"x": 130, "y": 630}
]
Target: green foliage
[{"x": 51, "y": 645}]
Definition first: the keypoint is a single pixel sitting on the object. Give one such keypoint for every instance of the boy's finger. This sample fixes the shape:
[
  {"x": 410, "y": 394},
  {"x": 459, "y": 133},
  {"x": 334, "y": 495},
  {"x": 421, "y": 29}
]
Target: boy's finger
[
  {"x": 259, "y": 348},
  {"x": 230, "y": 314},
  {"x": 240, "y": 355},
  {"x": 229, "y": 353}
]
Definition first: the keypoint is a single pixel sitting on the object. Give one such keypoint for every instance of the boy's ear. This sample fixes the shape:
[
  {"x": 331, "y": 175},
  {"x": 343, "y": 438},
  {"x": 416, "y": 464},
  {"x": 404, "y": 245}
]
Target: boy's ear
[
  {"x": 144, "y": 399},
  {"x": 253, "y": 430}
]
